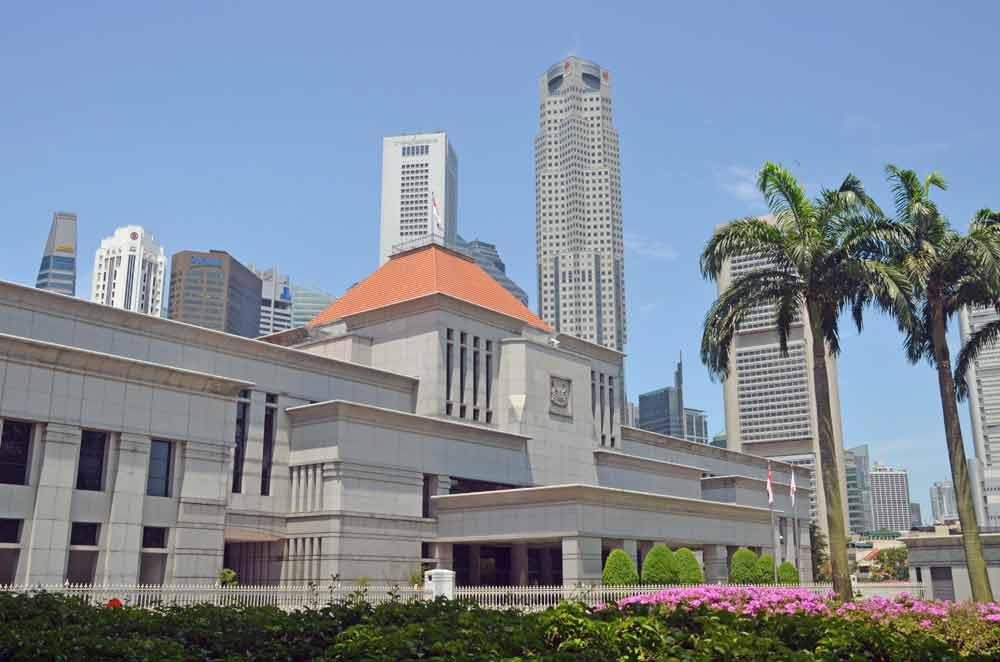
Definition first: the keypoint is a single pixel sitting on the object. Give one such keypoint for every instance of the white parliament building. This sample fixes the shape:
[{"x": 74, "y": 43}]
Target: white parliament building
[{"x": 426, "y": 418}]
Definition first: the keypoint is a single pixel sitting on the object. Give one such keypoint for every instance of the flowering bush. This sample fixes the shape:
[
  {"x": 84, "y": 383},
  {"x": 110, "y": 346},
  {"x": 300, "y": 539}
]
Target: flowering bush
[
  {"x": 114, "y": 603},
  {"x": 967, "y": 626}
]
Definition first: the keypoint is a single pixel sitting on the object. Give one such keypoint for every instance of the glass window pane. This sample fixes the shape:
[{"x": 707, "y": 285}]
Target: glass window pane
[
  {"x": 15, "y": 440},
  {"x": 158, "y": 483},
  {"x": 91, "y": 469}
]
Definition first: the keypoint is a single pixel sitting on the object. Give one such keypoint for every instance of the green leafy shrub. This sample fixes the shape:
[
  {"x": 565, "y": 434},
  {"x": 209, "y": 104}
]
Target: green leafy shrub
[
  {"x": 658, "y": 566},
  {"x": 743, "y": 567},
  {"x": 619, "y": 570},
  {"x": 764, "y": 573},
  {"x": 688, "y": 569},
  {"x": 227, "y": 577},
  {"x": 787, "y": 574}
]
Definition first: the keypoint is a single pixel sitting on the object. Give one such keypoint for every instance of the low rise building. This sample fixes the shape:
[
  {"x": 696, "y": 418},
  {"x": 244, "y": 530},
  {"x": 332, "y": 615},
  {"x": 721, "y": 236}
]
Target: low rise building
[{"x": 425, "y": 418}]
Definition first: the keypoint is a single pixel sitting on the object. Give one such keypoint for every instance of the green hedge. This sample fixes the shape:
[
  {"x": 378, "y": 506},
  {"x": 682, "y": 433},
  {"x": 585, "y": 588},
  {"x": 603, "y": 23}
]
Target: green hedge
[
  {"x": 743, "y": 567},
  {"x": 619, "y": 570},
  {"x": 688, "y": 568},
  {"x": 764, "y": 573},
  {"x": 658, "y": 566},
  {"x": 47, "y": 627},
  {"x": 787, "y": 574}
]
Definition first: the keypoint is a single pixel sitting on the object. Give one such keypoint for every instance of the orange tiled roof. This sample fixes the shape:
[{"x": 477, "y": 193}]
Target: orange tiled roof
[{"x": 423, "y": 272}]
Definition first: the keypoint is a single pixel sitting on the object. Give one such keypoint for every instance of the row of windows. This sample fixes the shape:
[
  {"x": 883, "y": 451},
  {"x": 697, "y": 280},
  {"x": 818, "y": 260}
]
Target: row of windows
[
  {"x": 481, "y": 353},
  {"x": 416, "y": 150}
]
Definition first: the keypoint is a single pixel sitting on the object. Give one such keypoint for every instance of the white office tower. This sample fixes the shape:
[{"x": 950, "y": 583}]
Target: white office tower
[
  {"x": 419, "y": 191},
  {"x": 890, "y": 498},
  {"x": 275, "y": 300},
  {"x": 943, "y": 506},
  {"x": 578, "y": 206},
  {"x": 770, "y": 398},
  {"x": 129, "y": 270},
  {"x": 983, "y": 379}
]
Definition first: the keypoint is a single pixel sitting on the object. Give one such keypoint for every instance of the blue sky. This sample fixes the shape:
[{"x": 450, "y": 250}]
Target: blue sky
[{"x": 256, "y": 127}]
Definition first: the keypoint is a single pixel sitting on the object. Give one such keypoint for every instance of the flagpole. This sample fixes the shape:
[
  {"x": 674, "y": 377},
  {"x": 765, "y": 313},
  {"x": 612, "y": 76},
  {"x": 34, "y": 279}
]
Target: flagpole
[{"x": 770, "y": 506}]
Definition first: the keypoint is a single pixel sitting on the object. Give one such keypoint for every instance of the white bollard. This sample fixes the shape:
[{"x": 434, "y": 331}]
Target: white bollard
[{"x": 439, "y": 583}]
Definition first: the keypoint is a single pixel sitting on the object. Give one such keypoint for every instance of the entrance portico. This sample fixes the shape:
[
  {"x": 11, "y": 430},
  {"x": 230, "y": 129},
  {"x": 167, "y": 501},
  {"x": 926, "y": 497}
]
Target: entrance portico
[{"x": 518, "y": 530}]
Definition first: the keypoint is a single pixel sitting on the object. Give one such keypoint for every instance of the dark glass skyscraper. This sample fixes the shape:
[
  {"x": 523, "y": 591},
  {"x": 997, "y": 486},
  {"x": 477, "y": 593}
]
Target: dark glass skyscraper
[
  {"x": 58, "y": 269},
  {"x": 662, "y": 410}
]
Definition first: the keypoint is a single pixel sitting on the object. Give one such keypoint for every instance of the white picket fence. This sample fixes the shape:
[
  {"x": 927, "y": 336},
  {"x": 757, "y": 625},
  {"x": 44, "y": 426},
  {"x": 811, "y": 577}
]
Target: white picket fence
[
  {"x": 283, "y": 597},
  {"x": 523, "y": 598}
]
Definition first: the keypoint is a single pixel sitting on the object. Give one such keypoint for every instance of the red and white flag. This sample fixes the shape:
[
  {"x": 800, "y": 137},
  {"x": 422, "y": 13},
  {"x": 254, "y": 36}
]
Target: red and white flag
[
  {"x": 770, "y": 487},
  {"x": 438, "y": 225},
  {"x": 791, "y": 490}
]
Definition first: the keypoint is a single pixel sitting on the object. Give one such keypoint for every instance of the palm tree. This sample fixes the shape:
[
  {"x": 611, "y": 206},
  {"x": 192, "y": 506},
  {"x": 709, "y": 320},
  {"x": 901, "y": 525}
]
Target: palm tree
[
  {"x": 949, "y": 271},
  {"x": 821, "y": 257}
]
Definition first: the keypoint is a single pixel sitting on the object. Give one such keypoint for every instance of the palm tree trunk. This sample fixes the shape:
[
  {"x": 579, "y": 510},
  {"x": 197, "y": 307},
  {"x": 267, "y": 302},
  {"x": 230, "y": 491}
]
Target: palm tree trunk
[
  {"x": 974, "y": 560},
  {"x": 829, "y": 463}
]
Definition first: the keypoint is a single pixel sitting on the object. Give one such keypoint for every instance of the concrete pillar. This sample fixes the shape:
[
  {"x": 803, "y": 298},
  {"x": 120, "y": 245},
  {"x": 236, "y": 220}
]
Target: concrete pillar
[
  {"x": 631, "y": 547},
  {"x": 444, "y": 554},
  {"x": 48, "y": 545},
  {"x": 519, "y": 564},
  {"x": 581, "y": 558},
  {"x": 716, "y": 560},
  {"x": 474, "y": 576},
  {"x": 124, "y": 538},
  {"x": 198, "y": 539}
]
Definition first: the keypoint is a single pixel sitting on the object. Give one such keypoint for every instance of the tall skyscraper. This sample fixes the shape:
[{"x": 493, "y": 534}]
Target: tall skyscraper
[
  {"x": 983, "y": 379},
  {"x": 890, "y": 498},
  {"x": 130, "y": 271},
  {"x": 487, "y": 257},
  {"x": 419, "y": 191},
  {"x": 916, "y": 518},
  {"x": 662, "y": 410},
  {"x": 58, "y": 269},
  {"x": 578, "y": 205},
  {"x": 212, "y": 289},
  {"x": 770, "y": 398},
  {"x": 943, "y": 506},
  {"x": 859, "y": 497},
  {"x": 308, "y": 302},
  {"x": 276, "y": 300}
]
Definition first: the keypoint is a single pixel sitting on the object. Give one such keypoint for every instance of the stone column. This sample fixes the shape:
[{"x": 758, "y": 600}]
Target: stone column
[
  {"x": 444, "y": 553},
  {"x": 715, "y": 558},
  {"x": 48, "y": 545},
  {"x": 198, "y": 540},
  {"x": 124, "y": 539},
  {"x": 581, "y": 560},
  {"x": 519, "y": 564},
  {"x": 631, "y": 547}
]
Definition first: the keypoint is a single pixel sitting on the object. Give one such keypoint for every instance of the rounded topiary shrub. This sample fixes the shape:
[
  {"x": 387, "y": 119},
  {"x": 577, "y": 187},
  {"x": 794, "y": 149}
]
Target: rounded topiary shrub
[
  {"x": 619, "y": 570},
  {"x": 743, "y": 567},
  {"x": 688, "y": 568},
  {"x": 787, "y": 574},
  {"x": 658, "y": 566},
  {"x": 765, "y": 569}
]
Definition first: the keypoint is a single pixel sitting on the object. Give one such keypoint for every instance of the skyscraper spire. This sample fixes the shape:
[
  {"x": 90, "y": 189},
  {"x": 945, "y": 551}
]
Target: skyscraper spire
[{"x": 57, "y": 271}]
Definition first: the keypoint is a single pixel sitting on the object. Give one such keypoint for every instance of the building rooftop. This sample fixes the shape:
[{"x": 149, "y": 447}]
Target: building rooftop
[{"x": 423, "y": 271}]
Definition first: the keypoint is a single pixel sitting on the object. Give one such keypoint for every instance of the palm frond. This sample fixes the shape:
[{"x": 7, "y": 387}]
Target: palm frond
[
  {"x": 784, "y": 195},
  {"x": 984, "y": 338},
  {"x": 746, "y": 236}
]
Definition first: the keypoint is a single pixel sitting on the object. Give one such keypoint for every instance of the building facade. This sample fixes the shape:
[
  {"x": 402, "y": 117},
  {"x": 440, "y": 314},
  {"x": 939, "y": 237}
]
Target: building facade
[
  {"x": 487, "y": 257},
  {"x": 429, "y": 420},
  {"x": 212, "y": 289},
  {"x": 57, "y": 272},
  {"x": 769, "y": 394},
  {"x": 696, "y": 426},
  {"x": 578, "y": 205},
  {"x": 916, "y": 518},
  {"x": 419, "y": 191},
  {"x": 983, "y": 379},
  {"x": 938, "y": 562},
  {"x": 859, "y": 508},
  {"x": 890, "y": 498},
  {"x": 308, "y": 302},
  {"x": 276, "y": 300},
  {"x": 943, "y": 506},
  {"x": 130, "y": 272}
]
